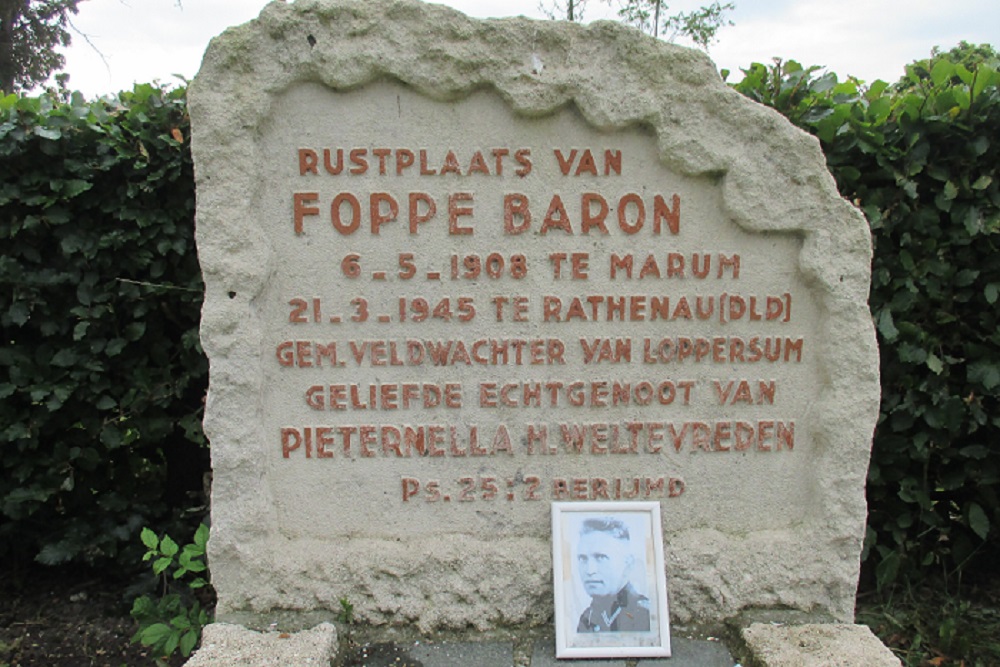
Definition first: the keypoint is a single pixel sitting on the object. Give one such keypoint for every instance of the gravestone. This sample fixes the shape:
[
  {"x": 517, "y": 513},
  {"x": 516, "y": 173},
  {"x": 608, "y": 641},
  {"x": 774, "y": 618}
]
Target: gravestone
[{"x": 456, "y": 270}]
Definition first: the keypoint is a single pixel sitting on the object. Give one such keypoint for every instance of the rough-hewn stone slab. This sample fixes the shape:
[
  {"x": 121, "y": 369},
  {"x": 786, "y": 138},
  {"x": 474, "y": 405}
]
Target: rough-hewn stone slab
[
  {"x": 817, "y": 645},
  {"x": 758, "y": 453},
  {"x": 226, "y": 645}
]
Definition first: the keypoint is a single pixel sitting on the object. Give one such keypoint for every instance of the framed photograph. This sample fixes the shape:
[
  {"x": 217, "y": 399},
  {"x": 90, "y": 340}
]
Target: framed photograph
[{"x": 610, "y": 583}]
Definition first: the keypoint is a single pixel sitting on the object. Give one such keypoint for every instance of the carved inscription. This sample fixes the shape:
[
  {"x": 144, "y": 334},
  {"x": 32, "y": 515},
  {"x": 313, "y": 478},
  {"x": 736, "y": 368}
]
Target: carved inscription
[{"x": 556, "y": 322}]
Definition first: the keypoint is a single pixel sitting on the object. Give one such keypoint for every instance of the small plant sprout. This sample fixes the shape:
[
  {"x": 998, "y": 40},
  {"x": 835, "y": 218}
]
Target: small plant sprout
[{"x": 173, "y": 621}]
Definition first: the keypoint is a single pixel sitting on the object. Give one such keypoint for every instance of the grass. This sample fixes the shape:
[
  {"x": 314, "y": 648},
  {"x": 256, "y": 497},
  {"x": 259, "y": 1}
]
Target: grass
[{"x": 930, "y": 626}]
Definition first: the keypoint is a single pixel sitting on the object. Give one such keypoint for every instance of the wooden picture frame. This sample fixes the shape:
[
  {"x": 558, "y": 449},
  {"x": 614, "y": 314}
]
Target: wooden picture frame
[{"x": 609, "y": 580}]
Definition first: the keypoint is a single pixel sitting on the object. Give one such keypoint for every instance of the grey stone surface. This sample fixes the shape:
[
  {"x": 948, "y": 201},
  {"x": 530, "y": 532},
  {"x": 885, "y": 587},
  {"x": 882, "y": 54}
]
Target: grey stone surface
[
  {"x": 685, "y": 653},
  {"x": 692, "y": 653},
  {"x": 438, "y": 654},
  {"x": 754, "y": 528},
  {"x": 768, "y": 645},
  {"x": 463, "y": 654},
  {"x": 543, "y": 654},
  {"x": 748, "y": 617},
  {"x": 816, "y": 645},
  {"x": 225, "y": 645}
]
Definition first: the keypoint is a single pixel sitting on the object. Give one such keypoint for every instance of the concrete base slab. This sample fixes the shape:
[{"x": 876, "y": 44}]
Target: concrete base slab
[
  {"x": 765, "y": 645},
  {"x": 693, "y": 653},
  {"x": 543, "y": 654},
  {"x": 816, "y": 645},
  {"x": 686, "y": 653},
  {"x": 437, "y": 654},
  {"x": 225, "y": 645}
]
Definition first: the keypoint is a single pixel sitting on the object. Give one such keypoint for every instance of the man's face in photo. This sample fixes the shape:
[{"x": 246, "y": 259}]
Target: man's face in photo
[{"x": 604, "y": 563}]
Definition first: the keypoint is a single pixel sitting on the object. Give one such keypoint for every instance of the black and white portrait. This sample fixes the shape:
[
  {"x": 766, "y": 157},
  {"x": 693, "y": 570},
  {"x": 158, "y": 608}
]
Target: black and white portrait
[
  {"x": 606, "y": 564},
  {"x": 610, "y": 585}
]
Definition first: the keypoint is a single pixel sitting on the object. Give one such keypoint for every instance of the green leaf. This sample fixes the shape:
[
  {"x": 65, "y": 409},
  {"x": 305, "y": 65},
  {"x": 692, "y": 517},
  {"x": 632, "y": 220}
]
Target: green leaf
[
  {"x": 149, "y": 538},
  {"x": 188, "y": 642},
  {"x": 879, "y": 109},
  {"x": 887, "y": 569},
  {"x": 142, "y": 606},
  {"x": 155, "y": 633},
  {"x": 824, "y": 83},
  {"x": 64, "y": 358},
  {"x": 181, "y": 622},
  {"x": 978, "y": 521},
  {"x": 916, "y": 157},
  {"x": 964, "y": 74},
  {"x": 170, "y": 645},
  {"x": 193, "y": 550},
  {"x": 135, "y": 330},
  {"x": 980, "y": 145},
  {"x": 984, "y": 77},
  {"x": 986, "y": 373},
  {"x": 201, "y": 536},
  {"x": 972, "y": 221},
  {"x": 74, "y": 187},
  {"x": 55, "y": 554},
  {"x": 962, "y": 98},
  {"x": 966, "y": 277},
  {"x": 197, "y": 566},
  {"x": 982, "y": 182},
  {"x": 886, "y": 326},
  {"x": 877, "y": 87},
  {"x": 161, "y": 564},
  {"x": 19, "y": 313},
  {"x": 934, "y": 363},
  {"x": 50, "y": 133},
  {"x": 978, "y": 452},
  {"x": 950, "y": 190},
  {"x": 111, "y": 436},
  {"x": 991, "y": 291},
  {"x": 114, "y": 347},
  {"x": 942, "y": 71},
  {"x": 168, "y": 547}
]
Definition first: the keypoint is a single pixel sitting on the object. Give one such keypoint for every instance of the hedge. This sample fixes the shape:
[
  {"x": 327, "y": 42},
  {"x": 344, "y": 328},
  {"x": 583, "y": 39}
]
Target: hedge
[
  {"x": 102, "y": 374},
  {"x": 921, "y": 159}
]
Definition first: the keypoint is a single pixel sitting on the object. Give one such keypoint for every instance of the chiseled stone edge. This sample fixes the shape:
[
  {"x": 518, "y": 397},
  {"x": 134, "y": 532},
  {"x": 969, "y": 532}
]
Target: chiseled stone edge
[
  {"x": 226, "y": 645},
  {"x": 773, "y": 179},
  {"x": 816, "y": 645}
]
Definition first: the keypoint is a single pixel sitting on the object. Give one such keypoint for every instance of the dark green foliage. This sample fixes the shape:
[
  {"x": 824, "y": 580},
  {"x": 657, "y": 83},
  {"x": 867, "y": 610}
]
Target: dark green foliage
[
  {"x": 30, "y": 32},
  {"x": 921, "y": 159},
  {"x": 925, "y": 625},
  {"x": 173, "y": 621},
  {"x": 101, "y": 373},
  {"x": 969, "y": 56}
]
